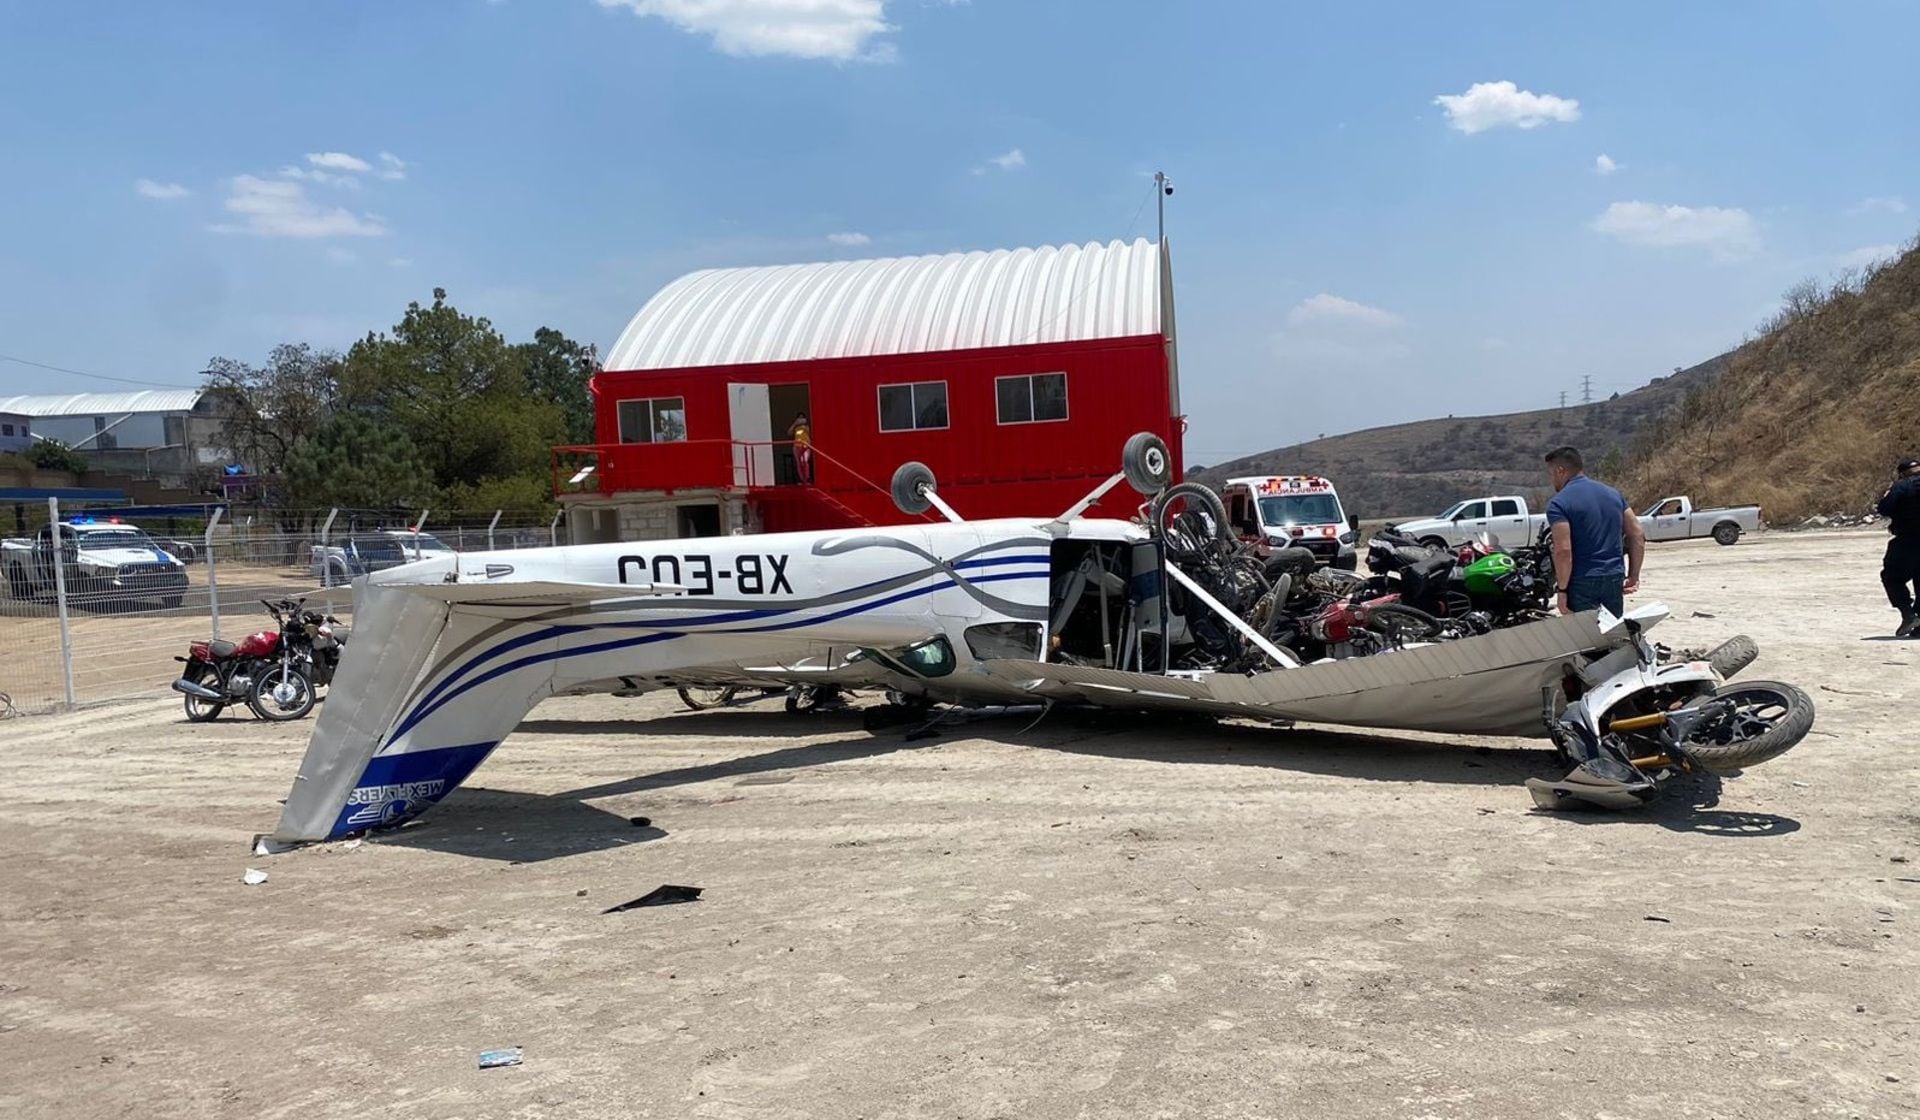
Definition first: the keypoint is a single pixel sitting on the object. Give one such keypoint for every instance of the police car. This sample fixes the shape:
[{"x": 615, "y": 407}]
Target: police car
[{"x": 1281, "y": 511}]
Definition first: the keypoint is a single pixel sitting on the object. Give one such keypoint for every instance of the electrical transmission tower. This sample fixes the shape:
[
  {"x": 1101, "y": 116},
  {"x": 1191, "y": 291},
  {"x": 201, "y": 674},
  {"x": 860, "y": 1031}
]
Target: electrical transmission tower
[
  {"x": 1563, "y": 400},
  {"x": 1586, "y": 388}
]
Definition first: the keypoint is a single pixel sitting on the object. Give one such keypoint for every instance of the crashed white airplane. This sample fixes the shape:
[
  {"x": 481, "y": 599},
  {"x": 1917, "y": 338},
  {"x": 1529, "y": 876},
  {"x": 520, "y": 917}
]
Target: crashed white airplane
[{"x": 449, "y": 654}]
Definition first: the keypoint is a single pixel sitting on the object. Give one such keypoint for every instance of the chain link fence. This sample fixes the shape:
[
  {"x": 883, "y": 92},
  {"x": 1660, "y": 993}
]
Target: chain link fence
[{"x": 100, "y": 609}]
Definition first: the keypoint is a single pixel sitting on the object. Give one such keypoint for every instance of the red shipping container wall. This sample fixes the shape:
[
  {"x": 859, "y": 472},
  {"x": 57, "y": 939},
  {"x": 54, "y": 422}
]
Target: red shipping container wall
[{"x": 1115, "y": 387}]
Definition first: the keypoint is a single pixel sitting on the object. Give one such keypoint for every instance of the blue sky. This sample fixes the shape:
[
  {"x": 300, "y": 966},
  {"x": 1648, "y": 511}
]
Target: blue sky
[{"x": 197, "y": 179}]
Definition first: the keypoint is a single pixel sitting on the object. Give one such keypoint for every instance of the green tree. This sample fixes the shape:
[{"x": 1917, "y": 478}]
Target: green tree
[
  {"x": 558, "y": 369},
  {"x": 268, "y": 411},
  {"x": 455, "y": 388},
  {"x": 52, "y": 455},
  {"x": 357, "y": 462}
]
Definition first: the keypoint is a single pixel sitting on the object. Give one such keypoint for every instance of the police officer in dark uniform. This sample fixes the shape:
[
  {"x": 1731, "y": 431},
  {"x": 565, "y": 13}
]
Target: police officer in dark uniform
[{"x": 1900, "y": 572}]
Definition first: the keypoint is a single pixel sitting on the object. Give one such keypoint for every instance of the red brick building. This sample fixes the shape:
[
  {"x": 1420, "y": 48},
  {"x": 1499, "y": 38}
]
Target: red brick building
[{"x": 1016, "y": 375}]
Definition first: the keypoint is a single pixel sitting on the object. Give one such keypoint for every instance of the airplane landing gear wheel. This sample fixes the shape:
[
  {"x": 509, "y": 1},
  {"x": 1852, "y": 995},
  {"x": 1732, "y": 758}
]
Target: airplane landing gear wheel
[
  {"x": 909, "y": 485},
  {"x": 1147, "y": 463}
]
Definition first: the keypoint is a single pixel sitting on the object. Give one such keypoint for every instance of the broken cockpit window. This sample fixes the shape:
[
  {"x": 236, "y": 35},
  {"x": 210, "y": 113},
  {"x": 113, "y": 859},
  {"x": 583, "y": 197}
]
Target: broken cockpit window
[
  {"x": 931, "y": 658},
  {"x": 1010, "y": 640}
]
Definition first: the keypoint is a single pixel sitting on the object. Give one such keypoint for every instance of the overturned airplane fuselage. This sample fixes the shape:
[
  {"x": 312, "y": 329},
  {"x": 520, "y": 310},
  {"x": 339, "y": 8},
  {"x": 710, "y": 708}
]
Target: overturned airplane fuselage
[{"x": 450, "y": 654}]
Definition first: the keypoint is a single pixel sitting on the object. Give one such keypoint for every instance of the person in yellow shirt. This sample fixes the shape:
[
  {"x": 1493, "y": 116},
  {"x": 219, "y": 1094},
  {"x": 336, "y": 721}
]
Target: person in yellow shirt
[{"x": 801, "y": 433}]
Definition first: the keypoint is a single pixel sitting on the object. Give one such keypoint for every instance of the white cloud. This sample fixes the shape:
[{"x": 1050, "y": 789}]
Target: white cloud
[
  {"x": 1603, "y": 164},
  {"x": 149, "y": 189},
  {"x": 839, "y": 30},
  {"x": 392, "y": 166},
  {"x": 1879, "y": 204},
  {"x": 1326, "y": 308},
  {"x": 1867, "y": 255},
  {"x": 324, "y": 178},
  {"x": 1011, "y": 160},
  {"x": 850, "y": 239},
  {"x": 280, "y": 208},
  {"x": 338, "y": 161},
  {"x": 1728, "y": 232},
  {"x": 1326, "y": 330},
  {"x": 1495, "y": 104}
]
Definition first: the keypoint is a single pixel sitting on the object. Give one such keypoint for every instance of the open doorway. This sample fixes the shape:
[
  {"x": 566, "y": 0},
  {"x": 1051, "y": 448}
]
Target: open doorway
[
  {"x": 785, "y": 403},
  {"x": 699, "y": 521}
]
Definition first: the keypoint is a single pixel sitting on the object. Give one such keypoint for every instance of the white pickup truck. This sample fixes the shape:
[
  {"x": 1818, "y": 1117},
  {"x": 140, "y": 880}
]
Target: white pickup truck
[
  {"x": 1507, "y": 518},
  {"x": 1675, "y": 519}
]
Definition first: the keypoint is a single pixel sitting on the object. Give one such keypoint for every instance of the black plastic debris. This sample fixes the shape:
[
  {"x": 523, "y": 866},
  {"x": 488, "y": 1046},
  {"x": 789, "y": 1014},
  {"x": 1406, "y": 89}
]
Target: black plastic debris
[
  {"x": 665, "y": 895},
  {"x": 640, "y": 822}
]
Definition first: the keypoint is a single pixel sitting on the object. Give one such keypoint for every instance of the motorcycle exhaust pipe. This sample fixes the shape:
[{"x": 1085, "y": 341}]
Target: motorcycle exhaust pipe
[{"x": 195, "y": 688}]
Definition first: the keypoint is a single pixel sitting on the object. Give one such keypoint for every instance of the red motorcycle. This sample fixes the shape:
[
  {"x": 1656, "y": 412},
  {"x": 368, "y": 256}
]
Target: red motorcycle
[{"x": 264, "y": 670}]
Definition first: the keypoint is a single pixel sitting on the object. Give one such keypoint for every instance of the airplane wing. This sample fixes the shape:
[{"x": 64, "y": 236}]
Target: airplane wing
[{"x": 1492, "y": 684}]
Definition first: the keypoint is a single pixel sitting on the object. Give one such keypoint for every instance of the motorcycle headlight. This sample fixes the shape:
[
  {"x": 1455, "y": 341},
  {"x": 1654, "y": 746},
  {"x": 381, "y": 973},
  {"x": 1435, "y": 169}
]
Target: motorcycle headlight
[{"x": 1349, "y": 537}]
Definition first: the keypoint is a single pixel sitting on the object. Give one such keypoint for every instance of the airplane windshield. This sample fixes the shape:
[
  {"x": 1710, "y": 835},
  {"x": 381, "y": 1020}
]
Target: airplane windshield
[{"x": 1300, "y": 509}]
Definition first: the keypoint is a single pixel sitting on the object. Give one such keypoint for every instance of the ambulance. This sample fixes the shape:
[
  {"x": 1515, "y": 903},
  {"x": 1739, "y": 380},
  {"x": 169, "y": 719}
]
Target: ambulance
[{"x": 1280, "y": 511}]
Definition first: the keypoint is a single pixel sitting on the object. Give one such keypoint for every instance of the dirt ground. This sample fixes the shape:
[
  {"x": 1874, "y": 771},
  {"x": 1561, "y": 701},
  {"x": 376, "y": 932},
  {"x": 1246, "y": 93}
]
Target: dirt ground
[{"x": 1074, "y": 919}]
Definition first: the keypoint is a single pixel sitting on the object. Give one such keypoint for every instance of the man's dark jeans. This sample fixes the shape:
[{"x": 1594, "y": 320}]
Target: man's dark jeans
[{"x": 1584, "y": 593}]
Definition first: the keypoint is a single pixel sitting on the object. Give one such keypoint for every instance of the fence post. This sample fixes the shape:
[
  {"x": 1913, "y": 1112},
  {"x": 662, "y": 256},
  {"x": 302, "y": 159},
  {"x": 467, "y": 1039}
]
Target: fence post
[
  {"x": 491, "y": 526},
  {"x": 213, "y": 578},
  {"x": 58, "y": 560},
  {"x": 419, "y": 527},
  {"x": 553, "y": 530},
  {"x": 326, "y": 538}
]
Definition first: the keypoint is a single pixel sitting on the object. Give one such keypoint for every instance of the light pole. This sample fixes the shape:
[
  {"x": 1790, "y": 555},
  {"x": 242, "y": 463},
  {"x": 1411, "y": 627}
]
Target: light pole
[{"x": 1162, "y": 190}]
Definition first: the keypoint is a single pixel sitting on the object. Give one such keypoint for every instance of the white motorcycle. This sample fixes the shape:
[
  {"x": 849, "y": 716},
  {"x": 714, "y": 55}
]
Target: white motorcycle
[{"x": 1637, "y": 716}]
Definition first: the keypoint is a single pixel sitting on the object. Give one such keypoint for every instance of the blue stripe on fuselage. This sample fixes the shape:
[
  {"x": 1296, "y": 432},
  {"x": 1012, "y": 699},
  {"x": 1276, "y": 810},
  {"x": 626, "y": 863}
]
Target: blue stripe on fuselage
[
  {"x": 429, "y": 705},
  {"x": 697, "y": 620}
]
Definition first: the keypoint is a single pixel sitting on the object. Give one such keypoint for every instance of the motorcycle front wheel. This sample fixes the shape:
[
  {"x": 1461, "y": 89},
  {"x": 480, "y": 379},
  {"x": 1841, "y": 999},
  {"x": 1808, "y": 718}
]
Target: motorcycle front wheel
[
  {"x": 1764, "y": 720},
  {"x": 698, "y": 697},
  {"x": 198, "y": 710},
  {"x": 281, "y": 694}
]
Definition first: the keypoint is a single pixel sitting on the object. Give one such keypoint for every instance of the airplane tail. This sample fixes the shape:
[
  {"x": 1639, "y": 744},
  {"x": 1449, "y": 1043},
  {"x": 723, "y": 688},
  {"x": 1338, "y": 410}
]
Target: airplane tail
[{"x": 395, "y": 632}]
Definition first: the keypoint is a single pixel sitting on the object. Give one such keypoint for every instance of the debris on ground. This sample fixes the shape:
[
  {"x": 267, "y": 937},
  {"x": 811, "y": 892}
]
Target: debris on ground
[
  {"x": 664, "y": 895},
  {"x": 1659, "y": 918},
  {"x": 640, "y": 822},
  {"x": 494, "y": 1059},
  {"x": 254, "y": 877}
]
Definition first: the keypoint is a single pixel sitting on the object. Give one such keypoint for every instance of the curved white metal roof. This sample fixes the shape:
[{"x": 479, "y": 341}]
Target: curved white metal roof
[
  {"x": 900, "y": 305},
  {"x": 102, "y": 404}
]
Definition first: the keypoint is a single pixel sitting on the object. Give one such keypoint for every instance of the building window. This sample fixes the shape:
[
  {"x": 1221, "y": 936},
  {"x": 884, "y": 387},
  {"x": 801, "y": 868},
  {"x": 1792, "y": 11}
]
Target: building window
[
  {"x": 914, "y": 407},
  {"x": 1031, "y": 398},
  {"x": 657, "y": 420},
  {"x": 6, "y": 429}
]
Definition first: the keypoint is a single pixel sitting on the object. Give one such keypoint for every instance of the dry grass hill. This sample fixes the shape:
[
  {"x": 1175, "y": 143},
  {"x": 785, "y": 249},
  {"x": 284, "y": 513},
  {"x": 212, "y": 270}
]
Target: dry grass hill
[
  {"x": 1809, "y": 417},
  {"x": 1418, "y": 469},
  {"x": 1806, "y": 418}
]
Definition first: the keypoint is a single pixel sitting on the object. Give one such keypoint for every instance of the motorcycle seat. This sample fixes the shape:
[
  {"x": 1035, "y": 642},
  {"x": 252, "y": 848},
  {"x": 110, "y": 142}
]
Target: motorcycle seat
[{"x": 217, "y": 648}]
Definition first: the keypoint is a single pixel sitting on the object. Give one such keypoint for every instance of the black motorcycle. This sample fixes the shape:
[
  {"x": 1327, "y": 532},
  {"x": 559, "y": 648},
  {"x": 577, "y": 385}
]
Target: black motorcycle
[{"x": 1480, "y": 587}]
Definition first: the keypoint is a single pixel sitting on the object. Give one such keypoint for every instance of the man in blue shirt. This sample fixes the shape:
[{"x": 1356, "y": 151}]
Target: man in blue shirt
[{"x": 1597, "y": 540}]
